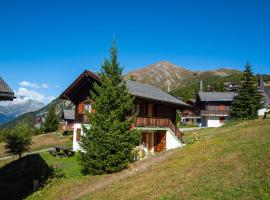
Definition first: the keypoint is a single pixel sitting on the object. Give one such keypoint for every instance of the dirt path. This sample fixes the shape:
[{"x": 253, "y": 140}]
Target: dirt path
[
  {"x": 25, "y": 154},
  {"x": 139, "y": 166}
]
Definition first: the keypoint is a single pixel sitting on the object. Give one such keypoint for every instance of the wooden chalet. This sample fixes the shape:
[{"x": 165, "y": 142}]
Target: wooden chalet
[
  {"x": 156, "y": 112},
  {"x": 214, "y": 107}
]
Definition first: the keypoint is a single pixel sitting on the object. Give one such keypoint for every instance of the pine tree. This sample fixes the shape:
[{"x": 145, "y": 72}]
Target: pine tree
[
  {"x": 107, "y": 145},
  {"x": 248, "y": 101},
  {"x": 51, "y": 120}
]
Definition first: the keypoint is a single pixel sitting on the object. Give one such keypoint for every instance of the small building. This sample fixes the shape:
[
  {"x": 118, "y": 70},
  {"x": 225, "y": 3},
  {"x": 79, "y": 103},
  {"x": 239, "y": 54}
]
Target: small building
[
  {"x": 265, "y": 90},
  {"x": 6, "y": 94},
  {"x": 190, "y": 116},
  {"x": 156, "y": 112},
  {"x": 67, "y": 121},
  {"x": 214, "y": 107}
]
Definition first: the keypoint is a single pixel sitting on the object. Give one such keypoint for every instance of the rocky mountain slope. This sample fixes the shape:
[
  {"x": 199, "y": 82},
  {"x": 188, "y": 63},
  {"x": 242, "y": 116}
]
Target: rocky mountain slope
[{"x": 170, "y": 77}]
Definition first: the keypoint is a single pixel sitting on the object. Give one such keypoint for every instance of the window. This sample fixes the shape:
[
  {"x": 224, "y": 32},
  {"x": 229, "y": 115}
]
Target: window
[
  {"x": 78, "y": 134},
  {"x": 88, "y": 108},
  {"x": 221, "y": 107},
  {"x": 222, "y": 120}
]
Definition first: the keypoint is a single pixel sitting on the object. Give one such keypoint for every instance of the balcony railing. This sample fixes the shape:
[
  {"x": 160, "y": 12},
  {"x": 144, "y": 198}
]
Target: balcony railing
[
  {"x": 215, "y": 112},
  {"x": 159, "y": 123},
  {"x": 65, "y": 127},
  {"x": 82, "y": 118}
]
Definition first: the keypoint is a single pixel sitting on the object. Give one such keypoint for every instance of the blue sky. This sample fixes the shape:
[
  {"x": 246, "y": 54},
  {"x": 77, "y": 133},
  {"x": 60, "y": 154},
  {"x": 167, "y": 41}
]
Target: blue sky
[{"x": 44, "y": 45}]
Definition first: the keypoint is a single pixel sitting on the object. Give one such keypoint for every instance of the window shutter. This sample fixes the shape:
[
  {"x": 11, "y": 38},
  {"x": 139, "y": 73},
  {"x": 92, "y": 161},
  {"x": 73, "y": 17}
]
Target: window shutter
[
  {"x": 78, "y": 134},
  {"x": 81, "y": 108}
]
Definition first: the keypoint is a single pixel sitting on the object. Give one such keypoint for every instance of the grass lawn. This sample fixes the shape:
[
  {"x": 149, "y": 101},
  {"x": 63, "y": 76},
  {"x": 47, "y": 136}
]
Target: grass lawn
[
  {"x": 231, "y": 162},
  {"x": 43, "y": 141}
]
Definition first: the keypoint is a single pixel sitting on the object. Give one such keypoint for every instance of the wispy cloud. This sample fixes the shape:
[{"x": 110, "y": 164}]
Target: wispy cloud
[{"x": 33, "y": 85}]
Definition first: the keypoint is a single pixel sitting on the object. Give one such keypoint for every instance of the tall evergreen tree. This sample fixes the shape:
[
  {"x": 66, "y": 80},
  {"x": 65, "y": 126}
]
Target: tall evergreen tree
[
  {"x": 249, "y": 100},
  {"x": 51, "y": 120},
  {"x": 107, "y": 145}
]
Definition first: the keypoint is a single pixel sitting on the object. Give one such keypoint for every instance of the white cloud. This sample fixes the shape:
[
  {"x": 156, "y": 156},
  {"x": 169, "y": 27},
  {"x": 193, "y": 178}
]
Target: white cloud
[
  {"x": 50, "y": 98},
  {"x": 25, "y": 94},
  {"x": 33, "y": 85}
]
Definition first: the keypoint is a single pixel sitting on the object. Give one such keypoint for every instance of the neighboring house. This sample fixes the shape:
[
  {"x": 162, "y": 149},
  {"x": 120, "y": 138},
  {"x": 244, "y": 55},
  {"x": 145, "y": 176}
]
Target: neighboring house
[
  {"x": 40, "y": 119},
  {"x": 67, "y": 121},
  {"x": 265, "y": 90},
  {"x": 214, "y": 107},
  {"x": 190, "y": 116},
  {"x": 6, "y": 94},
  {"x": 156, "y": 112}
]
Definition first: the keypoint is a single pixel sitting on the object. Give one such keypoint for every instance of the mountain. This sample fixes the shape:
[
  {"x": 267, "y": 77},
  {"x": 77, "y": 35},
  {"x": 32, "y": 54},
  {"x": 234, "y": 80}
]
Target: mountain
[
  {"x": 182, "y": 82},
  {"x": 170, "y": 77},
  {"x": 12, "y": 110},
  {"x": 29, "y": 117}
]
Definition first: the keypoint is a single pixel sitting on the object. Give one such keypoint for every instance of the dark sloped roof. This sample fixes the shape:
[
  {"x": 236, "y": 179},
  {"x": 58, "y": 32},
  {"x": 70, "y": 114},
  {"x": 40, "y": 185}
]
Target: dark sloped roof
[
  {"x": 69, "y": 114},
  {"x": 5, "y": 92},
  {"x": 266, "y": 94},
  {"x": 217, "y": 96},
  {"x": 151, "y": 92}
]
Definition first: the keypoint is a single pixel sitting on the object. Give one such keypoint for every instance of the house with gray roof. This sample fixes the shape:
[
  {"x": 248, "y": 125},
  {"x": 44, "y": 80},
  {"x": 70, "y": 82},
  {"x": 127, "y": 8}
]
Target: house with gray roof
[
  {"x": 156, "y": 112},
  {"x": 265, "y": 91},
  {"x": 214, "y": 107},
  {"x": 6, "y": 94}
]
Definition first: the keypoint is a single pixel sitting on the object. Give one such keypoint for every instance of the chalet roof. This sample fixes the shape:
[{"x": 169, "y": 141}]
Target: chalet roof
[
  {"x": 150, "y": 92},
  {"x": 5, "y": 92},
  {"x": 265, "y": 91},
  {"x": 69, "y": 114},
  {"x": 216, "y": 96},
  {"x": 266, "y": 94},
  {"x": 136, "y": 89}
]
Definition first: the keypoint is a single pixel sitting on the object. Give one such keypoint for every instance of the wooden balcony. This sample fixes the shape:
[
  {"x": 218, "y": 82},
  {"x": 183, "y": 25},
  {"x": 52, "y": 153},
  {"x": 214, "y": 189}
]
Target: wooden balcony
[
  {"x": 65, "y": 127},
  {"x": 82, "y": 118},
  {"x": 159, "y": 123},
  {"x": 215, "y": 112}
]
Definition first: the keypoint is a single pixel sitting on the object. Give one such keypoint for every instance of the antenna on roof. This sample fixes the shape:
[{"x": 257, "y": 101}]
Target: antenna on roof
[{"x": 201, "y": 86}]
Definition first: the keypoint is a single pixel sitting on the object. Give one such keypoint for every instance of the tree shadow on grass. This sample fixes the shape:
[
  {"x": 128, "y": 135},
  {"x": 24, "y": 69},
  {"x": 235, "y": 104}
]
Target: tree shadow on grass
[{"x": 16, "y": 178}]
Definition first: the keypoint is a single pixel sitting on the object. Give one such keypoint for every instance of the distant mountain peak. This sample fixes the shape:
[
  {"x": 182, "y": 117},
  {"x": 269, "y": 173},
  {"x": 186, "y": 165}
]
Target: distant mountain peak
[{"x": 169, "y": 76}]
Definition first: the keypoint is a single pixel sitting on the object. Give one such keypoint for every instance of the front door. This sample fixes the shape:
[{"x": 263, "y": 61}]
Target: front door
[{"x": 160, "y": 141}]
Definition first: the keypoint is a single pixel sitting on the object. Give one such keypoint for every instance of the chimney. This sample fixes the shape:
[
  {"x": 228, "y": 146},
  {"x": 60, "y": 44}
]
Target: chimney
[
  {"x": 261, "y": 82},
  {"x": 201, "y": 86}
]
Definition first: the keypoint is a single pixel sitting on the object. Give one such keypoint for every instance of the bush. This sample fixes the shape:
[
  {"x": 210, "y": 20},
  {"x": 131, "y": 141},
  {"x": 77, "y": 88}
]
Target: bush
[{"x": 18, "y": 140}]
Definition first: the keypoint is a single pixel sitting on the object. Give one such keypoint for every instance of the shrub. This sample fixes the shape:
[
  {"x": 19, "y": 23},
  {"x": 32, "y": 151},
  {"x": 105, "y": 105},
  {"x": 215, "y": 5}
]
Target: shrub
[{"x": 18, "y": 140}]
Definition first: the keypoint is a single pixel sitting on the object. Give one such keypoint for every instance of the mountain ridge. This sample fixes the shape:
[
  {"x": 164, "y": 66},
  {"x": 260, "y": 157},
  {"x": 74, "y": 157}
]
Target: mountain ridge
[{"x": 170, "y": 77}]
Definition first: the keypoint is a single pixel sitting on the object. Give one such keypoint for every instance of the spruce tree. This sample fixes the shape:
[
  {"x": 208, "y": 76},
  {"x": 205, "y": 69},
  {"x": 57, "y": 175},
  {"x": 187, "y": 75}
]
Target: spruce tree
[
  {"x": 51, "y": 120},
  {"x": 249, "y": 100},
  {"x": 107, "y": 145}
]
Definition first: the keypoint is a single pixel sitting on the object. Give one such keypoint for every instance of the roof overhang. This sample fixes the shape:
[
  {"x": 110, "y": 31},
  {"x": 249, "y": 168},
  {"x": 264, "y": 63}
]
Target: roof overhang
[
  {"x": 4, "y": 96},
  {"x": 66, "y": 94}
]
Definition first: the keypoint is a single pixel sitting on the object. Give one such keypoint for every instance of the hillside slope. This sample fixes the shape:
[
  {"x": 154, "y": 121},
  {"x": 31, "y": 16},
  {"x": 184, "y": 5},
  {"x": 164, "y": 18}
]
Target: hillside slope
[
  {"x": 227, "y": 163},
  {"x": 170, "y": 77}
]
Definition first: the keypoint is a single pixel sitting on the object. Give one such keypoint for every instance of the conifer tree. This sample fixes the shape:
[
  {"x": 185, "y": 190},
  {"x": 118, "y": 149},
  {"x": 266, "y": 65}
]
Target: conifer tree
[
  {"x": 51, "y": 120},
  {"x": 249, "y": 100},
  {"x": 107, "y": 145}
]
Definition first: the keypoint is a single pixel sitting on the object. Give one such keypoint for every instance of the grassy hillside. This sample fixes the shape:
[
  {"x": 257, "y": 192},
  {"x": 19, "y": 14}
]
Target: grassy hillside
[
  {"x": 42, "y": 141},
  {"x": 225, "y": 163}
]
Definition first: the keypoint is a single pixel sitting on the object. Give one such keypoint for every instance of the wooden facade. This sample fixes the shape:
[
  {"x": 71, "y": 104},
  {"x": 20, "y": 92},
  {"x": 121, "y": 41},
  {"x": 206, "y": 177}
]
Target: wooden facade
[
  {"x": 150, "y": 113},
  {"x": 218, "y": 108}
]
